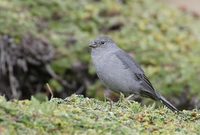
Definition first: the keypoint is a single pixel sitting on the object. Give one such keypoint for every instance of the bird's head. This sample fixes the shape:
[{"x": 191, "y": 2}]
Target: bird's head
[{"x": 102, "y": 42}]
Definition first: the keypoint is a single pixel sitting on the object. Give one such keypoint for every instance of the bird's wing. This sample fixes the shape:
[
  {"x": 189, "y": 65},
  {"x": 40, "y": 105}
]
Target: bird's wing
[
  {"x": 128, "y": 62},
  {"x": 135, "y": 68}
]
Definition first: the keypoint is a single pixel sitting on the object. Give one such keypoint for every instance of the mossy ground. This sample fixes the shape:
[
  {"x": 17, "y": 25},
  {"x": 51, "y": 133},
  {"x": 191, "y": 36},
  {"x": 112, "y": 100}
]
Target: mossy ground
[{"x": 79, "y": 115}]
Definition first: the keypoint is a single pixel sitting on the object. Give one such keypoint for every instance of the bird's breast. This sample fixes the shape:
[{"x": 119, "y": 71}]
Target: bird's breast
[{"x": 113, "y": 73}]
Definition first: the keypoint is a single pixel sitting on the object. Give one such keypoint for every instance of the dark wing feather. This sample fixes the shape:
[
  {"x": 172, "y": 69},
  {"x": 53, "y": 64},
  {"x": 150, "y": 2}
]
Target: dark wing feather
[
  {"x": 148, "y": 90},
  {"x": 138, "y": 72}
]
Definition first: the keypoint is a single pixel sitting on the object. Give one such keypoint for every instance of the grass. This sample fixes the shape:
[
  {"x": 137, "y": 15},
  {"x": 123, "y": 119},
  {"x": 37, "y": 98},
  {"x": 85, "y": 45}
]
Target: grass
[{"x": 79, "y": 115}]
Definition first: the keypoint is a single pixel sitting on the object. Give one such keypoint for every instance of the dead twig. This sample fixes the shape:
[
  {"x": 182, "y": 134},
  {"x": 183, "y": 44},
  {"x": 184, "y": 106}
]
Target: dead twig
[{"x": 50, "y": 90}]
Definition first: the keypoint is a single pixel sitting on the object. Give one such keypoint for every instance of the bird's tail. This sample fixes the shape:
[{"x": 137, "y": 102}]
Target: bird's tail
[
  {"x": 168, "y": 104},
  {"x": 158, "y": 97}
]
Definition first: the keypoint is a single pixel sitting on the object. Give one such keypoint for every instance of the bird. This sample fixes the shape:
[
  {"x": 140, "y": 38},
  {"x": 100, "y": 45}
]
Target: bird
[{"x": 119, "y": 72}]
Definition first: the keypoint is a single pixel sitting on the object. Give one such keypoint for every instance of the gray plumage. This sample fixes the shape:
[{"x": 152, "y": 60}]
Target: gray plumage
[{"x": 120, "y": 73}]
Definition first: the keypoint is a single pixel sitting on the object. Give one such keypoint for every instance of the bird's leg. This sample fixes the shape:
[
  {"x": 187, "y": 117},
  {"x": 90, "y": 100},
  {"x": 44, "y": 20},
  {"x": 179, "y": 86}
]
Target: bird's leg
[
  {"x": 133, "y": 97},
  {"x": 130, "y": 96},
  {"x": 110, "y": 101}
]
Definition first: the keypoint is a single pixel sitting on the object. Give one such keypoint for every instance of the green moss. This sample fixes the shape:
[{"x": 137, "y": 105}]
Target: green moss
[{"x": 79, "y": 115}]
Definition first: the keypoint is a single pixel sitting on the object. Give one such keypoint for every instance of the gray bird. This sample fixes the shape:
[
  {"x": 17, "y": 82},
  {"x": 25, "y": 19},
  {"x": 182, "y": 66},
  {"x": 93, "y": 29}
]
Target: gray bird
[{"x": 120, "y": 73}]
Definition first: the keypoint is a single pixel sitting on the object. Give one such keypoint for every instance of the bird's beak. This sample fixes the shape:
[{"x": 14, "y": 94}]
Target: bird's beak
[{"x": 92, "y": 44}]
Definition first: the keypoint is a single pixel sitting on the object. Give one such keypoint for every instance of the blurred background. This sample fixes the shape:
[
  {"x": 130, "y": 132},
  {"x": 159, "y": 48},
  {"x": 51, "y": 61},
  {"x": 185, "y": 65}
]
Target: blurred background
[{"x": 47, "y": 42}]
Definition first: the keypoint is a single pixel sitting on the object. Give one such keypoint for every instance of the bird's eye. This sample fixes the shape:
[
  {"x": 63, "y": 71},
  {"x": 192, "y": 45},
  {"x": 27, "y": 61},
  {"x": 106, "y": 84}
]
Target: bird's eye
[{"x": 102, "y": 42}]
